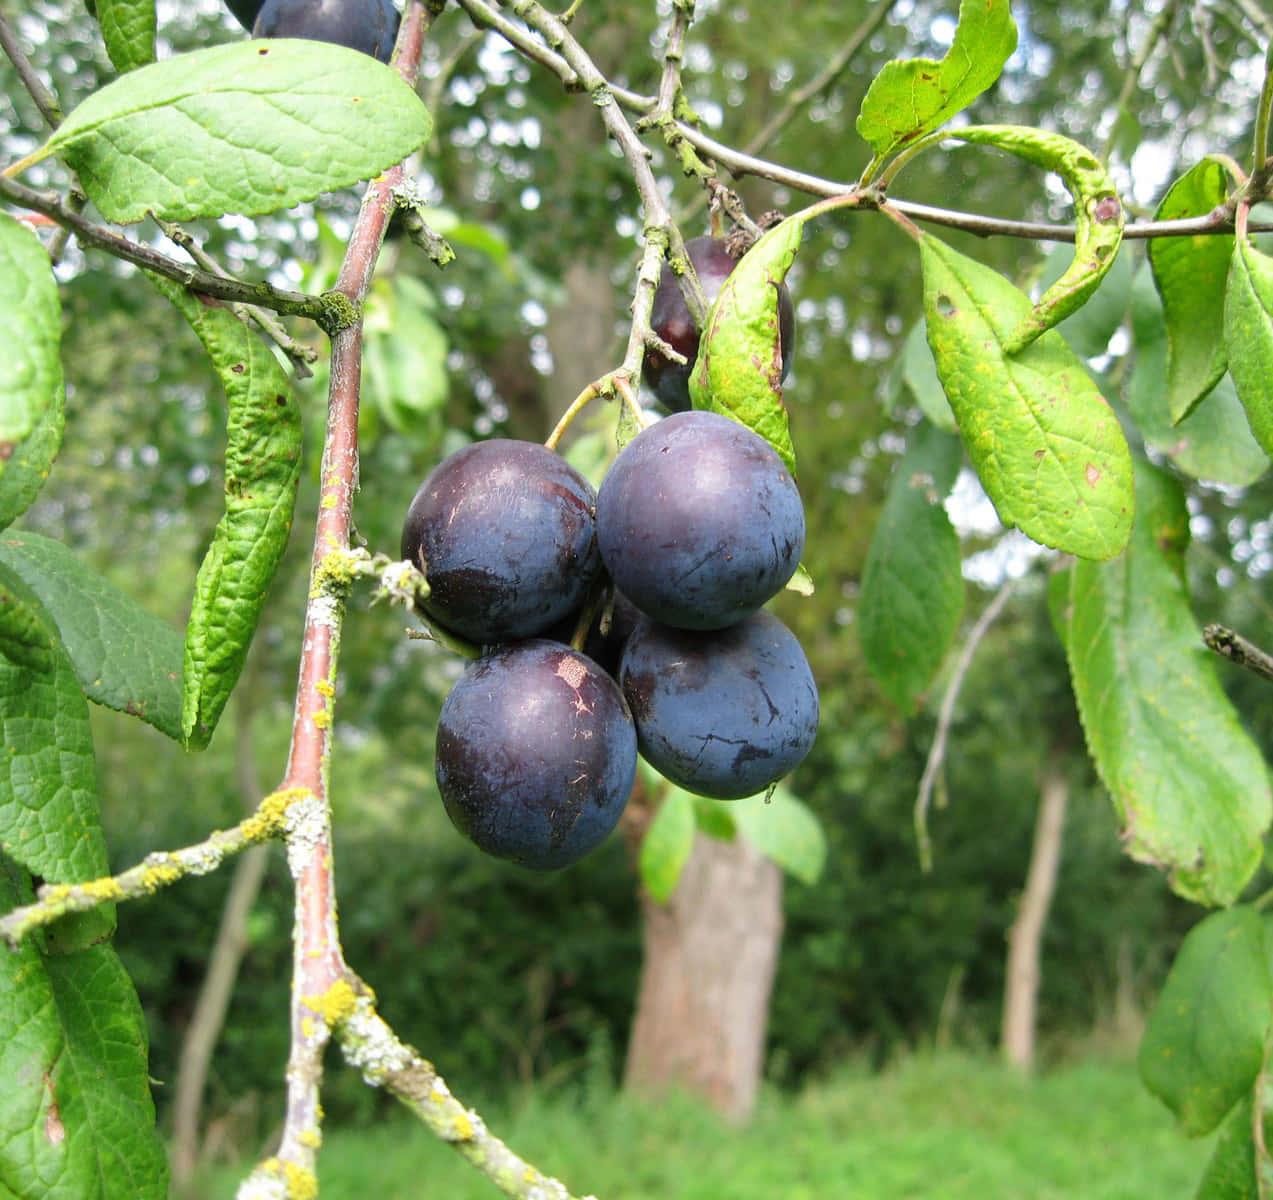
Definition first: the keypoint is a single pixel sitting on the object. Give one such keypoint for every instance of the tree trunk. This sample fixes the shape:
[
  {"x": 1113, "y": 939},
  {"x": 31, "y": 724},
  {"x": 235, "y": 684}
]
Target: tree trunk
[
  {"x": 710, "y": 955},
  {"x": 1025, "y": 937},
  {"x": 223, "y": 968}
]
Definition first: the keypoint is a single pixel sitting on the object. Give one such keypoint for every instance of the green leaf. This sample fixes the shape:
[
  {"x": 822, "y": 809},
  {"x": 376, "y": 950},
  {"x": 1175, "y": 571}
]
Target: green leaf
[
  {"x": 1088, "y": 331},
  {"x": 49, "y": 820},
  {"x": 128, "y": 29},
  {"x": 28, "y": 468},
  {"x": 1230, "y": 1173},
  {"x": 1048, "y": 449},
  {"x": 918, "y": 373},
  {"x": 31, "y": 316},
  {"x": 76, "y": 1117},
  {"x": 666, "y": 847},
  {"x": 262, "y": 469},
  {"x": 1190, "y": 273},
  {"x": 912, "y": 97},
  {"x": 1204, "y": 1043},
  {"x": 912, "y": 585},
  {"x": 125, "y": 657},
  {"x": 715, "y": 818},
  {"x": 1189, "y": 785},
  {"x": 1214, "y": 441},
  {"x": 248, "y": 127},
  {"x": 1248, "y": 336},
  {"x": 739, "y": 367},
  {"x": 785, "y": 830},
  {"x": 1098, "y": 218}
]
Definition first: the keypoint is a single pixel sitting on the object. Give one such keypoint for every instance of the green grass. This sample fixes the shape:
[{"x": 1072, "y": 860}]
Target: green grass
[{"x": 947, "y": 1127}]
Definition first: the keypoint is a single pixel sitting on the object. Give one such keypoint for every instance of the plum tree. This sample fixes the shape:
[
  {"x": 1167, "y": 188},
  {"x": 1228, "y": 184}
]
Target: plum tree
[
  {"x": 367, "y": 25},
  {"x": 536, "y": 754},
  {"x": 670, "y": 319},
  {"x": 699, "y": 522},
  {"x": 723, "y": 713},
  {"x": 505, "y": 534}
]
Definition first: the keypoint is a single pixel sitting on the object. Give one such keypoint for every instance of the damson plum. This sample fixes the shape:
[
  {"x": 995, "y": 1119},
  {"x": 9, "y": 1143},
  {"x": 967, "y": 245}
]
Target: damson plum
[
  {"x": 505, "y": 533},
  {"x": 671, "y": 320},
  {"x": 536, "y": 754},
  {"x": 367, "y": 25},
  {"x": 699, "y": 521},
  {"x": 722, "y": 714}
]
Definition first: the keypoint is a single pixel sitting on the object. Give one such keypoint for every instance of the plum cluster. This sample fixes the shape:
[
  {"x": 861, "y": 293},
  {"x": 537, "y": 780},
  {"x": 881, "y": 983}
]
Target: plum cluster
[{"x": 697, "y": 524}]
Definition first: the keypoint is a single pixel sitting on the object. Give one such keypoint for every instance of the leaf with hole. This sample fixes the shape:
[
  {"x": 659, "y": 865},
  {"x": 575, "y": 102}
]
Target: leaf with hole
[
  {"x": 1045, "y": 444},
  {"x": 1098, "y": 218}
]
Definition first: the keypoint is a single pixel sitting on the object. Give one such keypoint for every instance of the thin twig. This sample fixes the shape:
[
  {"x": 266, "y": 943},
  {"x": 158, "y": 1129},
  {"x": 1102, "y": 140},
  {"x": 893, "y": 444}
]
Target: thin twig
[
  {"x": 158, "y": 870},
  {"x": 1157, "y": 31},
  {"x": 372, "y": 1048},
  {"x": 300, "y": 356},
  {"x": 1237, "y": 649},
  {"x": 937, "y": 752},
  {"x": 44, "y": 99},
  {"x": 296, "y": 304}
]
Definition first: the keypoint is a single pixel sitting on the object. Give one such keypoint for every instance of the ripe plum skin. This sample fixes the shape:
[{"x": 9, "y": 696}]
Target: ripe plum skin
[
  {"x": 536, "y": 754},
  {"x": 367, "y": 25},
  {"x": 699, "y": 521},
  {"x": 671, "y": 320},
  {"x": 505, "y": 533},
  {"x": 723, "y": 714}
]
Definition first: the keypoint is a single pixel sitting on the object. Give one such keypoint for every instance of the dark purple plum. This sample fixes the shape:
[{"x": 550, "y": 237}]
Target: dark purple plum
[
  {"x": 367, "y": 25},
  {"x": 699, "y": 521},
  {"x": 536, "y": 754},
  {"x": 505, "y": 533},
  {"x": 604, "y": 645},
  {"x": 722, "y": 714},
  {"x": 670, "y": 319}
]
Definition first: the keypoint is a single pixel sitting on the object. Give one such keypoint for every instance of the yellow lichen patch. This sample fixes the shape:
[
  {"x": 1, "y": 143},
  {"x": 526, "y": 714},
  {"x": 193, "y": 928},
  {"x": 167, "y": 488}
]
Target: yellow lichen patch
[
  {"x": 267, "y": 821},
  {"x": 462, "y": 1127},
  {"x": 335, "y": 1004},
  {"x": 312, "y": 1138},
  {"x": 159, "y": 876},
  {"x": 325, "y": 689},
  {"x": 301, "y": 1183},
  {"x": 322, "y": 719},
  {"x": 99, "y": 890}
]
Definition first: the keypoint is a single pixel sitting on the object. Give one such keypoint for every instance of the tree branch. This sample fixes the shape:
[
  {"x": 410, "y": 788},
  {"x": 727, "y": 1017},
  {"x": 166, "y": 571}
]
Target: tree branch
[
  {"x": 318, "y": 966},
  {"x": 44, "y": 99},
  {"x": 937, "y": 753},
  {"x": 1237, "y": 649},
  {"x": 370, "y": 1046},
  {"x": 157, "y": 870},
  {"x": 320, "y": 309}
]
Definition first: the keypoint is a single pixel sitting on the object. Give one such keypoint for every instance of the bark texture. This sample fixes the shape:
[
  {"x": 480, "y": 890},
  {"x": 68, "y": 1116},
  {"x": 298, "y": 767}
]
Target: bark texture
[
  {"x": 710, "y": 955},
  {"x": 1025, "y": 937}
]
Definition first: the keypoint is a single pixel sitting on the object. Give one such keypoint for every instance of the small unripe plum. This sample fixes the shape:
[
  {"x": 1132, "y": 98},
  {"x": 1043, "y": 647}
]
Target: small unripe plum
[
  {"x": 367, "y": 25},
  {"x": 671, "y": 320},
  {"x": 505, "y": 534},
  {"x": 699, "y": 521},
  {"x": 725, "y": 713},
  {"x": 536, "y": 754}
]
